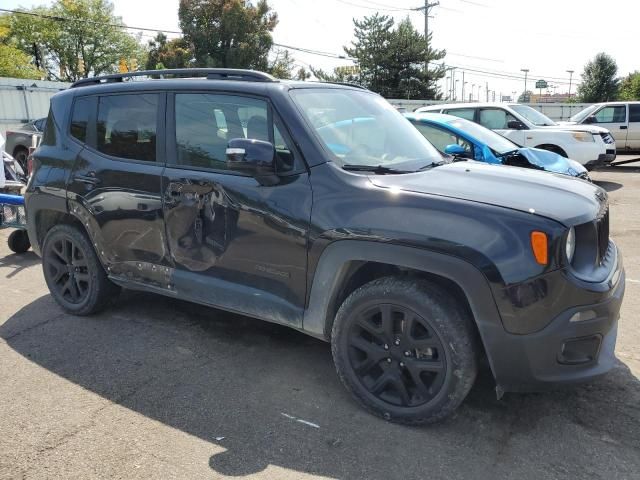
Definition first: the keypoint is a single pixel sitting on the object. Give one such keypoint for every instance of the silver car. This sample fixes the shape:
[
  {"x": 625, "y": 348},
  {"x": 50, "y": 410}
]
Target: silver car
[{"x": 19, "y": 140}]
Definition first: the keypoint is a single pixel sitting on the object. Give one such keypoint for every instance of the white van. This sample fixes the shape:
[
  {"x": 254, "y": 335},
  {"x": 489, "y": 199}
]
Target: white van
[
  {"x": 621, "y": 118},
  {"x": 589, "y": 145}
]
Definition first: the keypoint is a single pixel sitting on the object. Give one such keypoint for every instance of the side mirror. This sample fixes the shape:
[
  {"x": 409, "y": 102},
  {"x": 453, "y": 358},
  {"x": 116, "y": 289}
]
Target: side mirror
[
  {"x": 253, "y": 157},
  {"x": 590, "y": 119},
  {"x": 455, "y": 150},
  {"x": 515, "y": 125}
]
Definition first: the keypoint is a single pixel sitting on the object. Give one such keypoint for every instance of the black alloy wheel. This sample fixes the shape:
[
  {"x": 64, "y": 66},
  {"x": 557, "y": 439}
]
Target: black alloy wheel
[
  {"x": 67, "y": 268},
  {"x": 396, "y": 355}
]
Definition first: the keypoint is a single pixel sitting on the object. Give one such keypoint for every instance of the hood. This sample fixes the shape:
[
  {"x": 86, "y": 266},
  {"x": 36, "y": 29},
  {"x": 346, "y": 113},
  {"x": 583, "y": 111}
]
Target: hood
[
  {"x": 568, "y": 200},
  {"x": 552, "y": 162},
  {"x": 574, "y": 127}
]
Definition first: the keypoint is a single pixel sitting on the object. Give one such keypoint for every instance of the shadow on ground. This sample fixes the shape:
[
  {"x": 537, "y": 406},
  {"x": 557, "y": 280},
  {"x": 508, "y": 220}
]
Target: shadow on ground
[
  {"x": 608, "y": 186},
  {"x": 19, "y": 262},
  {"x": 213, "y": 374}
]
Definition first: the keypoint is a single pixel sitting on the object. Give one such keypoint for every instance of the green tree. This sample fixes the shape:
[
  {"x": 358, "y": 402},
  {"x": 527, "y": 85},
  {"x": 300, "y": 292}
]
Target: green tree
[
  {"x": 302, "y": 74},
  {"x": 392, "y": 60},
  {"x": 76, "y": 39},
  {"x": 163, "y": 53},
  {"x": 599, "y": 81},
  {"x": 228, "y": 33},
  {"x": 281, "y": 65},
  {"x": 525, "y": 97},
  {"x": 630, "y": 87},
  {"x": 13, "y": 61}
]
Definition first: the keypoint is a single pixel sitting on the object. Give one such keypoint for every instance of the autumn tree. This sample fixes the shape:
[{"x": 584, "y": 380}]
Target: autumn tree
[
  {"x": 75, "y": 39},
  {"x": 13, "y": 61},
  {"x": 228, "y": 33},
  {"x": 164, "y": 53}
]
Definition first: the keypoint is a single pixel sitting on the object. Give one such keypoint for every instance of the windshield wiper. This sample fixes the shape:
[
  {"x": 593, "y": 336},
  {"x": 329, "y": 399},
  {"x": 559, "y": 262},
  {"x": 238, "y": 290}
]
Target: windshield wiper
[
  {"x": 506, "y": 154},
  {"x": 437, "y": 164},
  {"x": 377, "y": 169}
]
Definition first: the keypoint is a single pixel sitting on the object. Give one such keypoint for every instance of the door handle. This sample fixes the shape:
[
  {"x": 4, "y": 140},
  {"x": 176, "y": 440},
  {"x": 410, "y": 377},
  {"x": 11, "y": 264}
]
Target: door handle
[
  {"x": 89, "y": 179},
  {"x": 623, "y": 127}
]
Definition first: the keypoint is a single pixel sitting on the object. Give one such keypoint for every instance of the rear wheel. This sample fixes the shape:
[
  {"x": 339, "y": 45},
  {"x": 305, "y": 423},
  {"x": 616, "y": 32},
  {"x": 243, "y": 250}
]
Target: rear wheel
[
  {"x": 405, "y": 349},
  {"x": 19, "y": 241},
  {"x": 73, "y": 272}
]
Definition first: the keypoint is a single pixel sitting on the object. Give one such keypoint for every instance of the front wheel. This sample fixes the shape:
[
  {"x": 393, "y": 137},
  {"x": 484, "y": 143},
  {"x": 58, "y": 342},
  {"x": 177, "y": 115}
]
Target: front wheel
[{"x": 405, "y": 349}]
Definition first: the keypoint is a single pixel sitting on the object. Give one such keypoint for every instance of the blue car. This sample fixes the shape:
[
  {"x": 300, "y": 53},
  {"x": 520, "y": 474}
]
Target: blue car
[{"x": 464, "y": 139}]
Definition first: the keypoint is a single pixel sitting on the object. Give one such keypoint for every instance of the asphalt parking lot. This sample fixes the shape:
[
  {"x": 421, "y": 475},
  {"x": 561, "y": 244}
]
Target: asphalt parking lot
[{"x": 157, "y": 388}]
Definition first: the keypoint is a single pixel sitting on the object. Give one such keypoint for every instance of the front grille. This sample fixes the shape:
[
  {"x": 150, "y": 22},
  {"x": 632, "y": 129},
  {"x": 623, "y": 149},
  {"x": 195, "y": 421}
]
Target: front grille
[
  {"x": 607, "y": 138},
  {"x": 602, "y": 229}
]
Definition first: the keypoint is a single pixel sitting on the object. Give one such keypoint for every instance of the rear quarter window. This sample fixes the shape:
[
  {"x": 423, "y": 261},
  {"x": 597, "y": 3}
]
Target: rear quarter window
[{"x": 80, "y": 115}]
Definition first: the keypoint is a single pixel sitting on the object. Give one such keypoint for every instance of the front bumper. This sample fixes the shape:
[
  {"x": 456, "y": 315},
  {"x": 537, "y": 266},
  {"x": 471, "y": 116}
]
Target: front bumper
[
  {"x": 576, "y": 345},
  {"x": 603, "y": 160}
]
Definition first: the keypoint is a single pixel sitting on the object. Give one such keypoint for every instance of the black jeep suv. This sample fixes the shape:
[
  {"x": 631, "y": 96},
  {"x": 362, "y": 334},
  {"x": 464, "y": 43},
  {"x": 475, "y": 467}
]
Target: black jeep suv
[{"x": 318, "y": 206}]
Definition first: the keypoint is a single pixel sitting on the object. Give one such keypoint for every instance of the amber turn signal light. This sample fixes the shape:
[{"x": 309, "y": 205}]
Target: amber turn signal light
[{"x": 540, "y": 247}]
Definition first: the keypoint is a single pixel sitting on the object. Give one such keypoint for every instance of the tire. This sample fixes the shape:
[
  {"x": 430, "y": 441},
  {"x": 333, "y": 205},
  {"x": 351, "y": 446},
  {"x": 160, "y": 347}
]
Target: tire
[
  {"x": 19, "y": 241},
  {"x": 73, "y": 272},
  {"x": 405, "y": 349}
]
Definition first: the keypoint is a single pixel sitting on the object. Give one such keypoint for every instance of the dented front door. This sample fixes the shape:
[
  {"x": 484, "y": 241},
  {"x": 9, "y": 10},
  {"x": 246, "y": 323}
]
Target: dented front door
[{"x": 236, "y": 243}]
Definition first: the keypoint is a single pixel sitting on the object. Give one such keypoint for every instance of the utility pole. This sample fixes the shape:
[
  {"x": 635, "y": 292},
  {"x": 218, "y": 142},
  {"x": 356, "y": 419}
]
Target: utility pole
[
  {"x": 570, "y": 72},
  {"x": 526, "y": 72},
  {"x": 463, "y": 84},
  {"x": 426, "y": 10}
]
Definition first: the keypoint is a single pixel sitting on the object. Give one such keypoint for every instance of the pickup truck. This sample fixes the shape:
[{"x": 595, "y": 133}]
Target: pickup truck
[
  {"x": 19, "y": 140},
  {"x": 621, "y": 118},
  {"x": 589, "y": 145}
]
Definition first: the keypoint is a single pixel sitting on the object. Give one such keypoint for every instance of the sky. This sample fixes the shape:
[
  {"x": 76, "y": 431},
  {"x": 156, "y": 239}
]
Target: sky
[{"x": 496, "y": 38}]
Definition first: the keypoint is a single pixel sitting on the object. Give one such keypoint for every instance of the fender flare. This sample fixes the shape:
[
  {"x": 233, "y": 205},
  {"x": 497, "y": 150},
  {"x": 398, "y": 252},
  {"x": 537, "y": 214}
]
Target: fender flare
[{"x": 333, "y": 267}]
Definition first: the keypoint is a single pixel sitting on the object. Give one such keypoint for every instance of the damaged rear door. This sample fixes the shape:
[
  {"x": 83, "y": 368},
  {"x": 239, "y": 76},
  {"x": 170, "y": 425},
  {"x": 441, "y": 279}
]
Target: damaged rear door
[{"x": 236, "y": 244}]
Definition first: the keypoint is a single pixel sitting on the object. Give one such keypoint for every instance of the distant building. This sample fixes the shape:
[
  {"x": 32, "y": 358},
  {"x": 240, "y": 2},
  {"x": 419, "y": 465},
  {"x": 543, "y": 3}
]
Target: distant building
[{"x": 551, "y": 98}]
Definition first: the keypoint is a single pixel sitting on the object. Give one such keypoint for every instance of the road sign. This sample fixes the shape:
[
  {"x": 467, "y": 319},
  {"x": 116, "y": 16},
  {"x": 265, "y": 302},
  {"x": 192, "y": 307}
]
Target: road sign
[{"x": 541, "y": 84}]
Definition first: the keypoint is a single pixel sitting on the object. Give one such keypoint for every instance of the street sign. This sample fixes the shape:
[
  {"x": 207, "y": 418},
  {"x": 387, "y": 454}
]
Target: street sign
[{"x": 541, "y": 84}]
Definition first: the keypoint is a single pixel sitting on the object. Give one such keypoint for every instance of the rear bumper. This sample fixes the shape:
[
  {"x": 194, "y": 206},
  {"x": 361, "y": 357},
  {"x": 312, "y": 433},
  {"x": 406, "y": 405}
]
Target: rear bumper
[{"x": 577, "y": 345}]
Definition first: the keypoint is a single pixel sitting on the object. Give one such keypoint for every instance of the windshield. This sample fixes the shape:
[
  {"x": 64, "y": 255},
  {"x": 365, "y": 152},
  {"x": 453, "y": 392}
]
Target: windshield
[
  {"x": 534, "y": 116},
  {"x": 582, "y": 114},
  {"x": 493, "y": 140},
  {"x": 361, "y": 128}
]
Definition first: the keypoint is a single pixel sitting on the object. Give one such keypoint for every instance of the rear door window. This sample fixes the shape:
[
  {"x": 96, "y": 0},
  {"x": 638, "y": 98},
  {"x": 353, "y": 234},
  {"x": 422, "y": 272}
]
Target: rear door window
[
  {"x": 634, "y": 113},
  {"x": 466, "y": 113},
  {"x": 495, "y": 118},
  {"x": 127, "y": 126}
]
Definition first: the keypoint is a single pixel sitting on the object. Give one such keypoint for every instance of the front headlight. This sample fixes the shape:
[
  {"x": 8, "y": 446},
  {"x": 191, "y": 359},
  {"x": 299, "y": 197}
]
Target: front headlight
[
  {"x": 583, "y": 136},
  {"x": 570, "y": 245}
]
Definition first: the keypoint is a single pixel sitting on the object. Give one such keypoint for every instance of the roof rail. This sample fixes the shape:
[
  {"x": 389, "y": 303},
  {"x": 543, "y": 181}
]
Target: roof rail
[
  {"x": 347, "y": 84},
  {"x": 209, "y": 73}
]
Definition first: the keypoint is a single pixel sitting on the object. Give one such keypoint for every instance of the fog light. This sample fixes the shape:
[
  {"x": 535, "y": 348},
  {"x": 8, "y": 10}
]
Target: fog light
[
  {"x": 583, "y": 316},
  {"x": 580, "y": 350}
]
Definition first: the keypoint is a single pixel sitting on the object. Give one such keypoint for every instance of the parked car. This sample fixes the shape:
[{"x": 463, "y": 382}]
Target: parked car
[
  {"x": 591, "y": 146},
  {"x": 18, "y": 141},
  {"x": 464, "y": 139},
  {"x": 621, "y": 118},
  {"x": 355, "y": 232}
]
